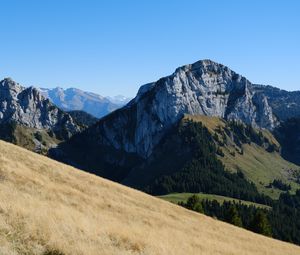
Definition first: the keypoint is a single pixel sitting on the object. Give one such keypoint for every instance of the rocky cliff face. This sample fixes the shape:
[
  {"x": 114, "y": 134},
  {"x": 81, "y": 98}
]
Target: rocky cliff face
[
  {"x": 204, "y": 88},
  {"x": 285, "y": 104},
  {"x": 27, "y": 107}
]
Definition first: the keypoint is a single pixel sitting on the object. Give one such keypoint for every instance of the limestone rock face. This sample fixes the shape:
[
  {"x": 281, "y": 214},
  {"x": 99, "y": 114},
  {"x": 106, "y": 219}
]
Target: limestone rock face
[
  {"x": 285, "y": 104},
  {"x": 205, "y": 88},
  {"x": 27, "y": 107}
]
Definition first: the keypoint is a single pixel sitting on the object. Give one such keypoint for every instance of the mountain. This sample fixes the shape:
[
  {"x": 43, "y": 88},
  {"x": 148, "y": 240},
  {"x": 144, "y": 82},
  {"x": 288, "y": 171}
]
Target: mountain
[
  {"x": 75, "y": 99},
  {"x": 285, "y": 104},
  {"x": 130, "y": 134},
  {"x": 83, "y": 118},
  {"x": 51, "y": 208},
  {"x": 164, "y": 141},
  {"x": 26, "y": 106},
  {"x": 204, "y": 88},
  {"x": 29, "y": 119}
]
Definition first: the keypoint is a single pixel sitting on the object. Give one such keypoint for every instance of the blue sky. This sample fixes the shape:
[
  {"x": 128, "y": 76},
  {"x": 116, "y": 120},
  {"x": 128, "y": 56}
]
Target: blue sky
[{"x": 113, "y": 46}]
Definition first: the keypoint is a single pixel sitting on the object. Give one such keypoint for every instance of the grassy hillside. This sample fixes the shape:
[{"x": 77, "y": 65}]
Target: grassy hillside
[
  {"x": 262, "y": 167},
  {"x": 182, "y": 197},
  {"x": 50, "y": 208},
  {"x": 38, "y": 140},
  {"x": 259, "y": 165}
]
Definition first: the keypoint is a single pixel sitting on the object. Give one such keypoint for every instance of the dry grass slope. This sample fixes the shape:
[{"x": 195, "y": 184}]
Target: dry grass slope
[{"x": 50, "y": 208}]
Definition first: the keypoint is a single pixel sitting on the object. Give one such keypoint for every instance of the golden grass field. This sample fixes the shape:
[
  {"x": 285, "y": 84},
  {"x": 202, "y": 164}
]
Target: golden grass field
[{"x": 50, "y": 208}]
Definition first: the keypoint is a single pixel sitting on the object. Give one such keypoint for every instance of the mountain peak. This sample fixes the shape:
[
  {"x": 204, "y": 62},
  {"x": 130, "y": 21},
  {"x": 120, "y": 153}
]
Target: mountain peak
[
  {"x": 202, "y": 64},
  {"x": 7, "y": 80},
  {"x": 9, "y": 83},
  {"x": 9, "y": 88},
  {"x": 202, "y": 88},
  {"x": 206, "y": 62},
  {"x": 27, "y": 107}
]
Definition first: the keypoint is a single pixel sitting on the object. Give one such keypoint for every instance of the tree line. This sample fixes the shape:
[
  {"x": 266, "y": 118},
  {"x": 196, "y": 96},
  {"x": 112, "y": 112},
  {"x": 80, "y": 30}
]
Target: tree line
[
  {"x": 281, "y": 221},
  {"x": 202, "y": 170}
]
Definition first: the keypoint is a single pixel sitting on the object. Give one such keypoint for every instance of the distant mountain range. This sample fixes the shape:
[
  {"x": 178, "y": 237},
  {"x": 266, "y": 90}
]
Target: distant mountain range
[{"x": 73, "y": 99}]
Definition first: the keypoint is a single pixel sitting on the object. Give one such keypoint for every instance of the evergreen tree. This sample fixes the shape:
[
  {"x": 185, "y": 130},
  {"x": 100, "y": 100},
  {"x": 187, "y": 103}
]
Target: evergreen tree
[
  {"x": 260, "y": 224},
  {"x": 194, "y": 203},
  {"x": 233, "y": 216}
]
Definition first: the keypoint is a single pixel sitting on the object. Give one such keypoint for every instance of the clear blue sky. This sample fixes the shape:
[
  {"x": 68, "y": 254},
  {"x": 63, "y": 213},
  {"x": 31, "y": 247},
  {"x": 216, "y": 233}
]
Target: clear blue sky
[{"x": 112, "y": 47}]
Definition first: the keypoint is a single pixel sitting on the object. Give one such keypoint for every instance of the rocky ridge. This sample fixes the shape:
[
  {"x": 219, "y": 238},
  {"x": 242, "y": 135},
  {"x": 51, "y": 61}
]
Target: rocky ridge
[
  {"x": 27, "y": 107},
  {"x": 285, "y": 104}
]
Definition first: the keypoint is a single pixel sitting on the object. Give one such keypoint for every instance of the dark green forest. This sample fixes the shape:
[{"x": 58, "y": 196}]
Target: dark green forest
[
  {"x": 203, "y": 171},
  {"x": 281, "y": 221}
]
